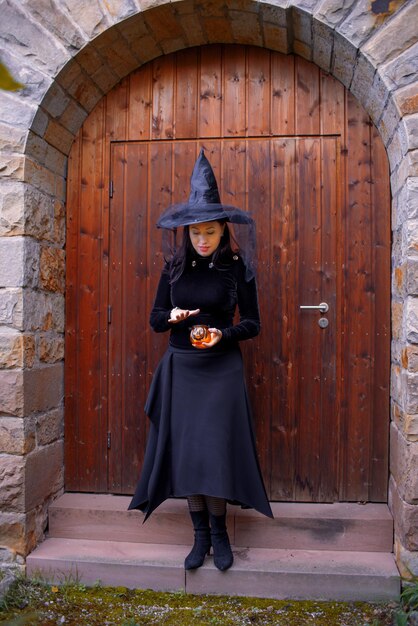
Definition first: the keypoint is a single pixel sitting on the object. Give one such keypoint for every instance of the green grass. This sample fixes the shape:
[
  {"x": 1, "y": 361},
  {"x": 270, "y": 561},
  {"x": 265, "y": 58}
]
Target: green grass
[{"x": 35, "y": 602}]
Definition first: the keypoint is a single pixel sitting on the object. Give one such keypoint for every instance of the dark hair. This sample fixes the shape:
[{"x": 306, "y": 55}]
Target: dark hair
[{"x": 221, "y": 258}]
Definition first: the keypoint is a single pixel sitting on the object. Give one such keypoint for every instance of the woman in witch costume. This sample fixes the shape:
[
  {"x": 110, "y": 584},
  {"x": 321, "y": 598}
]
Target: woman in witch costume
[{"x": 201, "y": 443}]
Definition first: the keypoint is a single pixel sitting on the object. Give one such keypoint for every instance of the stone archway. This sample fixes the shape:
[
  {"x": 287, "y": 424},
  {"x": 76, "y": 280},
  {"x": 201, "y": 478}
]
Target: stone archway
[{"x": 69, "y": 56}]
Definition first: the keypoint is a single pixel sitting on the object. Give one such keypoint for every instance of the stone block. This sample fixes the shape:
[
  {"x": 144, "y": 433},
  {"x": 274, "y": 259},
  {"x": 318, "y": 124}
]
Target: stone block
[
  {"x": 405, "y": 517},
  {"x": 119, "y": 57},
  {"x": 163, "y": 23},
  {"x": 394, "y": 150},
  {"x": 39, "y": 122},
  {"x": 12, "y": 398},
  {"x": 218, "y": 29},
  {"x": 407, "y": 423},
  {"x": 121, "y": 9},
  {"x": 89, "y": 17},
  {"x": 35, "y": 83},
  {"x": 396, "y": 35},
  {"x": 13, "y": 531},
  {"x": 39, "y": 176},
  {"x": 50, "y": 348},
  {"x": 12, "y": 166},
  {"x": 406, "y": 560},
  {"x": 43, "y": 311},
  {"x": 323, "y": 41},
  {"x": 59, "y": 137},
  {"x": 192, "y": 28},
  {"x": 52, "y": 269},
  {"x": 79, "y": 85},
  {"x": 409, "y": 382},
  {"x": 411, "y": 276},
  {"x": 15, "y": 111},
  {"x": 376, "y": 98},
  {"x": 410, "y": 358},
  {"x": 173, "y": 45},
  {"x": 27, "y": 39},
  {"x": 17, "y": 435},
  {"x": 404, "y": 465},
  {"x": 362, "y": 78},
  {"x": 16, "y": 349},
  {"x": 410, "y": 239},
  {"x": 344, "y": 56},
  {"x": 39, "y": 212},
  {"x": 55, "y": 101},
  {"x": 19, "y": 262},
  {"x": 274, "y": 14},
  {"x": 302, "y": 26},
  {"x": 403, "y": 70},
  {"x": 246, "y": 28},
  {"x": 12, "y": 208},
  {"x": 57, "y": 22},
  {"x": 406, "y": 99},
  {"x": 44, "y": 474},
  {"x": 12, "y": 483},
  {"x": 43, "y": 388},
  {"x": 411, "y": 127},
  {"x": 36, "y": 147},
  {"x": 59, "y": 223},
  {"x": 49, "y": 426},
  {"x": 397, "y": 315},
  {"x": 276, "y": 37},
  {"x": 12, "y": 138},
  {"x": 74, "y": 116},
  {"x": 361, "y": 22},
  {"x": 388, "y": 122},
  {"x": 333, "y": 12}
]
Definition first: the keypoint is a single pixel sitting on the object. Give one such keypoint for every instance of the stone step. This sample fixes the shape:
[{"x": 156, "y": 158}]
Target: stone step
[
  {"x": 339, "y": 526},
  {"x": 259, "y": 572}
]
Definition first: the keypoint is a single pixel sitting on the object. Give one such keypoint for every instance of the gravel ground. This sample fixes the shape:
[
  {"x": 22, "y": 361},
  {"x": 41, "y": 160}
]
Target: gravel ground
[{"x": 71, "y": 604}]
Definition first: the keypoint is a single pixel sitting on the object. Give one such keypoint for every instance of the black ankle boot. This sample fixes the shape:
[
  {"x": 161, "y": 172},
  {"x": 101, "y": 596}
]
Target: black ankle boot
[
  {"x": 202, "y": 542},
  {"x": 222, "y": 553}
]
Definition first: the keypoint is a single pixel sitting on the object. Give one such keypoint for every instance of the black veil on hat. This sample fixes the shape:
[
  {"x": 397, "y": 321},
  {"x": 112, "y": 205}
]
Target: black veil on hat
[{"x": 204, "y": 205}]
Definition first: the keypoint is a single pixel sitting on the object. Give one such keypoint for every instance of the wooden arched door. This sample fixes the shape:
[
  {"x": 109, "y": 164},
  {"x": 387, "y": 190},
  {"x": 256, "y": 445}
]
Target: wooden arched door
[{"x": 290, "y": 144}]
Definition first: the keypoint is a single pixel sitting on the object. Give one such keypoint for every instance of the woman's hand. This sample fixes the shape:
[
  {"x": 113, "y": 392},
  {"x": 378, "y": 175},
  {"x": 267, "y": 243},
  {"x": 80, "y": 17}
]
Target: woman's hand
[
  {"x": 216, "y": 336},
  {"x": 178, "y": 315}
]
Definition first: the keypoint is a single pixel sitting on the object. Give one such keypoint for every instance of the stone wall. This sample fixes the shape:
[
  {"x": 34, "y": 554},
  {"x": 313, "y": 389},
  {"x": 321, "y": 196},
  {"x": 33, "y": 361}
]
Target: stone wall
[{"x": 69, "y": 53}]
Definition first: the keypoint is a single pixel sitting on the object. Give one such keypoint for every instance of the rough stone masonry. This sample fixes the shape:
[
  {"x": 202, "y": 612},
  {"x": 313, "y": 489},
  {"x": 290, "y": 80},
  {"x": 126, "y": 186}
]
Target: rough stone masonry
[{"x": 69, "y": 53}]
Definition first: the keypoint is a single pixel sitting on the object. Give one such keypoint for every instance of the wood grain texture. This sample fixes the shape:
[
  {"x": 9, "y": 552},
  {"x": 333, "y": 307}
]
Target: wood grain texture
[{"x": 288, "y": 143}]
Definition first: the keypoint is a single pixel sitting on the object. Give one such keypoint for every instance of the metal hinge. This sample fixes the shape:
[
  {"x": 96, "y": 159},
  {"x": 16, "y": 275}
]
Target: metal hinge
[
  {"x": 109, "y": 440},
  {"x": 111, "y": 189},
  {"x": 109, "y": 314}
]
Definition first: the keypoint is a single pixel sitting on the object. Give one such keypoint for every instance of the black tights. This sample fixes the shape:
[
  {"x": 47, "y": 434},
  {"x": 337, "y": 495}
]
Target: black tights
[{"x": 215, "y": 506}]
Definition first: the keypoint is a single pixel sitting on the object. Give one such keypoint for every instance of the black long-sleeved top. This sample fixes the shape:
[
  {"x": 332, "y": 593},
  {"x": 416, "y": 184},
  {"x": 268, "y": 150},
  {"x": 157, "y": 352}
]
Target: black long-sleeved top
[{"x": 216, "y": 292}]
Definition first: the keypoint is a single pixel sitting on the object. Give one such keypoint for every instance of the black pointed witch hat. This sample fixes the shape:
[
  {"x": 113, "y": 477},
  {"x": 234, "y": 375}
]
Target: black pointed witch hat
[{"x": 204, "y": 204}]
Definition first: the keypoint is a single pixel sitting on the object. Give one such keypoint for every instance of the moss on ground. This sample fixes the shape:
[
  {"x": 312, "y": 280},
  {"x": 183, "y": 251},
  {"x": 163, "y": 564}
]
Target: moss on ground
[{"x": 31, "y": 602}]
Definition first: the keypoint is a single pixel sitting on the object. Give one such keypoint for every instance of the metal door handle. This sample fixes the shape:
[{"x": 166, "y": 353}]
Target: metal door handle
[{"x": 323, "y": 307}]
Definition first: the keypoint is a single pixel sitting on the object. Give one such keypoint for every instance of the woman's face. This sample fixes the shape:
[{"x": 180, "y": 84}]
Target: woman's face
[{"x": 205, "y": 237}]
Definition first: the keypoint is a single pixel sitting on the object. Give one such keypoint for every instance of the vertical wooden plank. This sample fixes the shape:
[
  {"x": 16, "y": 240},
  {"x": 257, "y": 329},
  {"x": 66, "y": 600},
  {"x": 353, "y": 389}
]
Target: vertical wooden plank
[
  {"x": 210, "y": 96},
  {"x": 329, "y": 415},
  {"x": 283, "y": 94},
  {"x": 160, "y": 196},
  {"x": 380, "y": 188},
  {"x": 115, "y": 341},
  {"x": 140, "y": 104},
  {"x": 360, "y": 306},
  {"x": 332, "y": 107},
  {"x": 259, "y": 90},
  {"x": 234, "y": 114},
  {"x": 163, "y": 97},
  {"x": 232, "y": 182},
  {"x": 184, "y": 157},
  {"x": 309, "y": 238},
  {"x": 307, "y": 97},
  {"x": 258, "y": 351},
  {"x": 92, "y": 422},
  {"x": 135, "y": 315},
  {"x": 186, "y": 93},
  {"x": 71, "y": 317},
  {"x": 282, "y": 324}
]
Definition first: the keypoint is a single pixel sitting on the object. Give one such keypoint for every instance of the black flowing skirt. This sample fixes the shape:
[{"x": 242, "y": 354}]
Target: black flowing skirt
[{"x": 201, "y": 439}]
